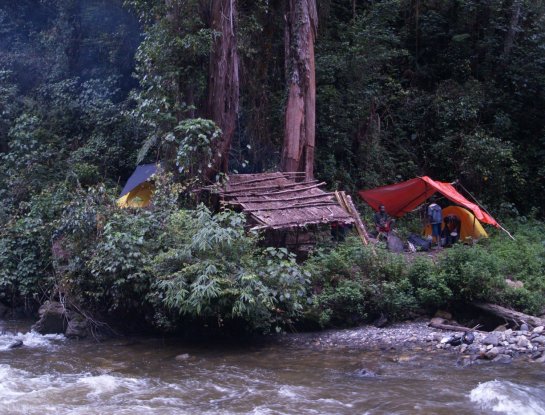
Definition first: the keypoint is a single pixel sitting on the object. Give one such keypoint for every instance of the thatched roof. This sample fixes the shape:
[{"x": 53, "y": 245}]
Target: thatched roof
[{"x": 280, "y": 200}]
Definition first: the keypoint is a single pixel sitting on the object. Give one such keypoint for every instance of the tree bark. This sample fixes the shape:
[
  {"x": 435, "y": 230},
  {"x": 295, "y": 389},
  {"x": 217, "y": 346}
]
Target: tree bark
[
  {"x": 300, "y": 116},
  {"x": 223, "y": 85},
  {"x": 513, "y": 27}
]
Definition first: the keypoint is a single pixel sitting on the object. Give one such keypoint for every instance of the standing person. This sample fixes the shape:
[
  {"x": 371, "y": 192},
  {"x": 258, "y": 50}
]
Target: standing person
[{"x": 435, "y": 218}]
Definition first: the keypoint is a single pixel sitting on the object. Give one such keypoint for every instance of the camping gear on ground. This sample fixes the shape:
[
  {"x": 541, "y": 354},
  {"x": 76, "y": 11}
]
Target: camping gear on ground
[
  {"x": 394, "y": 243},
  {"x": 420, "y": 243},
  {"x": 138, "y": 190}
]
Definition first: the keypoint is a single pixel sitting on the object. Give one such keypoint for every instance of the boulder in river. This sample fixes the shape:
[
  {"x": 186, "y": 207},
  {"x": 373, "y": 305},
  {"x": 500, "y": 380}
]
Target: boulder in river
[
  {"x": 52, "y": 320},
  {"x": 3, "y": 310},
  {"x": 78, "y": 327},
  {"x": 56, "y": 319},
  {"x": 16, "y": 344}
]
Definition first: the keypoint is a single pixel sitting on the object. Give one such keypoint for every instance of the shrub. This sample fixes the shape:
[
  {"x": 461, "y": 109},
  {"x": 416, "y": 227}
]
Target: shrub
[
  {"x": 211, "y": 270},
  {"x": 343, "y": 305},
  {"x": 431, "y": 289},
  {"x": 471, "y": 273}
]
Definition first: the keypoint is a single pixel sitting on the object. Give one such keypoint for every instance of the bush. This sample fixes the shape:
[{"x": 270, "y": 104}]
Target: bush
[
  {"x": 343, "y": 305},
  {"x": 431, "y": 289},
  {"x": 471, "y": 273},
  {"x": 212, "y": 271},
  {"x": 352, "y": 283}
]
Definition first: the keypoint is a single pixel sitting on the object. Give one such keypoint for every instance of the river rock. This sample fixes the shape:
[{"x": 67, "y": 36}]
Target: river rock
[
  {"x": 492, "y": 339},
  {"x": 473, "y": 349},
  {"x": 524, "y": 327},
  {"x": 365, "y": 373},
  {"x": 78, "y": 327},
  {"x": 523, "y": 342},
  {"x": 52, "y": 319},
  {"x": 503, "y": 358},
  {"x": 540, "y": 340},
  {"x": 182, "y": 357},
  {"x": 538, "y": 329},
  {"x": 540, "y": 359},
  {"x": 16, "y": 344},
  {"x": 493, "y": 353}
]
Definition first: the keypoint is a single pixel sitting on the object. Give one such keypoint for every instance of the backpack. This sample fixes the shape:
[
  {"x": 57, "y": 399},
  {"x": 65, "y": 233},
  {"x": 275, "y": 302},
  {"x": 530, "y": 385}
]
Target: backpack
[
  {"x": 419, "y": 242},
  {"x": 394, "y": 243},
  {"x": 435, "y": 213}
]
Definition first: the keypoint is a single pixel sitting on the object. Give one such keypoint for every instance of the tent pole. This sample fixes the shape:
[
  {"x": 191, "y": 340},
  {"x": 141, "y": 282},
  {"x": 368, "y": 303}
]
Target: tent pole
[{"x": 482, "y": 207}]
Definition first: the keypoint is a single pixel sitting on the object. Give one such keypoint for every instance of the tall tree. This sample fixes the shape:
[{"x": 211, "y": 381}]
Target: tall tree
[
  {"x": 300, "y": 116},
  {"x": 223, "y": 85}
]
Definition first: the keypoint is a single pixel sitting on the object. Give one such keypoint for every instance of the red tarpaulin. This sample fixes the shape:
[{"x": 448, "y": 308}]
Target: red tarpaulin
[{"x": 402, "y": 198}]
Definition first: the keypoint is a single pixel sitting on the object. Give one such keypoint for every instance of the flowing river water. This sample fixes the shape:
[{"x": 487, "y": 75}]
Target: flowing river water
[{"x": 51, "y": 374}]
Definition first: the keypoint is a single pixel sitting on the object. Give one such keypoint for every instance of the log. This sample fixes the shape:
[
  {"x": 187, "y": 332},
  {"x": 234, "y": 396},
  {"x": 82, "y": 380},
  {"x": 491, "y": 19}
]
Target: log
[
  {"x": 256, "y": 189},
  {"x": 436, "y": 323},
  {"x": 266, "y": 177},
  {"x": 323, "y": 195},
  {"x": 293, "y": 206},
  {"x": 250, "y": 194},
  {"x": 511, "y": 315}
]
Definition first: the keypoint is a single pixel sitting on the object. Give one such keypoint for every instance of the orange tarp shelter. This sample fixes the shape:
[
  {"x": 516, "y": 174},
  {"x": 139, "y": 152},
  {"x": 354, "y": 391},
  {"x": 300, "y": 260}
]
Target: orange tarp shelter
[{"x": 402, "y": 198}]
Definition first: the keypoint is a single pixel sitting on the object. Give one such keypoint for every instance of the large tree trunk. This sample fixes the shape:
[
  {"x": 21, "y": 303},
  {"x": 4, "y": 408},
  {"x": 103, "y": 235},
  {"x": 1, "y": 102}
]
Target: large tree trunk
[
  {"x": 223, "y": 85},
  {"x": 516, "y": 10},
  {"x": 300, "y": 116}
]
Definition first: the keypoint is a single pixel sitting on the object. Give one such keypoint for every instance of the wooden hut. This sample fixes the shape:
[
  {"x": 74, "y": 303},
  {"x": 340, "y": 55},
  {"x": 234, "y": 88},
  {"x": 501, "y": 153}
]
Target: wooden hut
[{"x": 287, "y": 208}]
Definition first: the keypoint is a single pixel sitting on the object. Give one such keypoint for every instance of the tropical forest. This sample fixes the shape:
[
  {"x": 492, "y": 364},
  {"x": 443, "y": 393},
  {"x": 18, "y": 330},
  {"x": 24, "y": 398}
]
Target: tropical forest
[{"x": 127, "y": 126}]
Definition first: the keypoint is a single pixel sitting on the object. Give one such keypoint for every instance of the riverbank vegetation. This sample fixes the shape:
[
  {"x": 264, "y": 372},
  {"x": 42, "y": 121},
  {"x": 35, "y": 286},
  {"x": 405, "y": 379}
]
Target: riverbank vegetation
[{"x": 90, "y": 89}]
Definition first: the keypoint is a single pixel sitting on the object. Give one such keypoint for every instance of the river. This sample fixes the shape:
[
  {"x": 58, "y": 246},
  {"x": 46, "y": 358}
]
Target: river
[{"x": 51, "y": 374}]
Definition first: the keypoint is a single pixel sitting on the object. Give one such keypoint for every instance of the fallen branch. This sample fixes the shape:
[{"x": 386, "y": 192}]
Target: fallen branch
[
  {"x": 437, "y": 324},
  {"x": 511, "y": 315}
]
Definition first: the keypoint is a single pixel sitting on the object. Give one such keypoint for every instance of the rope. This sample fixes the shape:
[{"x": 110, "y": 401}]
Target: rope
[{"x": 457, "y": 182}]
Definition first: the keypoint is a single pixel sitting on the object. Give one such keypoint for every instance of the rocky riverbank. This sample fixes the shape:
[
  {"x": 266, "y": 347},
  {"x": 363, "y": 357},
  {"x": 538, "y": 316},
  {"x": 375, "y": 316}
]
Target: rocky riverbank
[{"x": 497, "y": 346}]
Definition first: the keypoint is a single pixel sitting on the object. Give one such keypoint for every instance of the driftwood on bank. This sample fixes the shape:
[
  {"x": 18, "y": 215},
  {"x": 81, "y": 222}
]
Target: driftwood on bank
[
  {"x": 439, "y": 323},
  {"x": 511, "y": 315}
]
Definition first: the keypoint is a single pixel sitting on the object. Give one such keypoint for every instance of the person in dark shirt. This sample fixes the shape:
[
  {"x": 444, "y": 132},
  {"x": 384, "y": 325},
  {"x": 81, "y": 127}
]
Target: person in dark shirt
[
  {"x": 451, "y": 229},
  {"x": 382, "y": 221}
]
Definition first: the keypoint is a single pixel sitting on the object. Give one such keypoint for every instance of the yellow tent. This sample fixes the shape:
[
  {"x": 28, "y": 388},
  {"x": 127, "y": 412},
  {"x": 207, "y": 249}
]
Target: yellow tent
[
  {"x": 139, "y": 197},
  {"x": 138, "y": 190},
  {"x": 470, "y": 227}
]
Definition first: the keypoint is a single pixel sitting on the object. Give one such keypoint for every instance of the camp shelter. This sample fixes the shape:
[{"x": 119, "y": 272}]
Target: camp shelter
[
  {"x": 138, "y": 190},
  {"x": 402, "y": 198},
  {"x": 288, "y": 209},
  {"x": 470, "y": 227}
]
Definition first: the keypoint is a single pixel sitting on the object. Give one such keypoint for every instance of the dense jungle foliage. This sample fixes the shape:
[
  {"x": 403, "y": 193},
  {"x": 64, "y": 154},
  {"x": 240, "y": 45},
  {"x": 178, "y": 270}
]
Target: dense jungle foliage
[{"x": 454, "y": 89}]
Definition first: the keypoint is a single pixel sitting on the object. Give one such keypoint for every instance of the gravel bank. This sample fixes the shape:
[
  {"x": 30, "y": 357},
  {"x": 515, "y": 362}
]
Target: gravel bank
[{"x": 497, "y": 346}]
